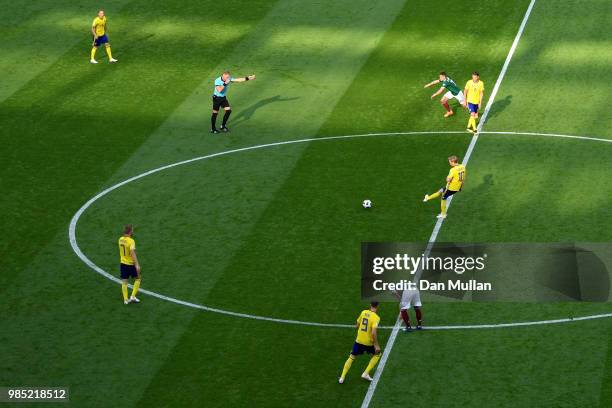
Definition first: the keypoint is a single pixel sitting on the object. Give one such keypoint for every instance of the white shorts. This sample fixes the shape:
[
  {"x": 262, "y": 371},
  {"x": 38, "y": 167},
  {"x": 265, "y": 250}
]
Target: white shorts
[
  {"x": 460, "y": 97},
  {"x": 410, "y": 298}
]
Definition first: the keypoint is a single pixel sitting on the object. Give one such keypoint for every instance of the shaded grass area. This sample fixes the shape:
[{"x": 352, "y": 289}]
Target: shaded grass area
[
  {"x": 554, "y": 81},
  {"x": 550, "y": 366},
  {"x": 68, "y": 289},
  {"x": 310, "y": 234},
  {"x": 36, "y": 34},
  {"x": 526, "y": 189},
  {"x": 276, "y": 232},
  {"x": 75, "y": 124}
]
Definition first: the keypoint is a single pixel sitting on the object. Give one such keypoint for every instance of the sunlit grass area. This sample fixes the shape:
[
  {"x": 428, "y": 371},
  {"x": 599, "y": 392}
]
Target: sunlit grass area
[{"x": 276, "y": 231}]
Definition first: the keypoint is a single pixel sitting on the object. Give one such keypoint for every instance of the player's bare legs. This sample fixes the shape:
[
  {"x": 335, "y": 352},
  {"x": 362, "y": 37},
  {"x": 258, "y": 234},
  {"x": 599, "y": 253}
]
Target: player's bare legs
[
  {"x": 452, "y": 91},
  {"x": 449, "y": 111},
  {"x": 406, "y": 318}
]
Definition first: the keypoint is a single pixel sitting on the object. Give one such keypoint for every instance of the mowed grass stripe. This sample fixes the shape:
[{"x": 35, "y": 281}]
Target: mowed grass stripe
[
  {"x": 75, "y": 124},
  {"x": 65, "y": 132},
  {"x": 566, "y": 93},
  {"x": 329, "y": 65},
  {"x": 36, "y": 34},
  {"x": 526, "y": 189},
  {"x": 315, "y": 225},
  {"x": 45, "y": 265},
  {"x": 219, "y": 200},
  {"x": 537, "y": 189},
  {"x": 271, "y": 339},
  {"x": 518, "y": 367}
]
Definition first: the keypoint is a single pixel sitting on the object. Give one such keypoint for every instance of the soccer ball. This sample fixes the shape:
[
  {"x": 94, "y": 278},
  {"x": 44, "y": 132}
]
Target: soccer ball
[{"x": 366, "y": 204}]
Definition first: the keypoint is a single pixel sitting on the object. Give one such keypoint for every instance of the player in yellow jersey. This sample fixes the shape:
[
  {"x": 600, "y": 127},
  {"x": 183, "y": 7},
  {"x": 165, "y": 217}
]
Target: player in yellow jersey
[
  {"x": 474, "y": 92},
  {"x": 454, "y": 183},
  {"x": 98, "y": 29},
  {"x": 366, "y": 342},
  {"x": 130, "y": 268}
]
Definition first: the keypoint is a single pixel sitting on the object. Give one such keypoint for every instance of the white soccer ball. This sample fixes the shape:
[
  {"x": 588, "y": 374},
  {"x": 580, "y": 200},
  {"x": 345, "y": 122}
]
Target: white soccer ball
[{"x": 366, "y": 204}]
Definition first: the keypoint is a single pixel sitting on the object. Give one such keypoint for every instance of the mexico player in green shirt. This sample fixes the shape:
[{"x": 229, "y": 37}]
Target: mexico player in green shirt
[{"x": 452, "y": 91}]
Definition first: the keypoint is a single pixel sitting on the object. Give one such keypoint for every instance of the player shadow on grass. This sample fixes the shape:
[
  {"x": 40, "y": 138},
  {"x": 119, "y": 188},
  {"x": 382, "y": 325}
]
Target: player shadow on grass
[
  {"x": 245, "y": 114},
  {"x": 499, "y": 106},
  {"x": 480, "y": 188}
]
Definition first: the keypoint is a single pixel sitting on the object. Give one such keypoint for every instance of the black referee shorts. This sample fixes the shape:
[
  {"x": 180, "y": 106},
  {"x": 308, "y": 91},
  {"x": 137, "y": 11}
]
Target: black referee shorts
[{"x": 220, "y": 102}]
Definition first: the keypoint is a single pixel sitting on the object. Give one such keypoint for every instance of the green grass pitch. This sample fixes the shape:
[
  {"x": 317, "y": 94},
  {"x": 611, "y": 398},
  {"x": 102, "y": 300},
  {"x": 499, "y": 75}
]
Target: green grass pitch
[{"x": 276, "y": 231}]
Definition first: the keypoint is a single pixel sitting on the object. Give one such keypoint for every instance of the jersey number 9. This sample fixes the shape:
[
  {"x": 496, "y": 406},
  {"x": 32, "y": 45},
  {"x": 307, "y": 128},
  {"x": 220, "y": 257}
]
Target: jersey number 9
[{"x": 364, "y": 324}]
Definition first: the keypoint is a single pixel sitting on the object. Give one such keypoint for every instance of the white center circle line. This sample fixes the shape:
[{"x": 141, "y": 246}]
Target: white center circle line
[{"x": 79, "y": 253}]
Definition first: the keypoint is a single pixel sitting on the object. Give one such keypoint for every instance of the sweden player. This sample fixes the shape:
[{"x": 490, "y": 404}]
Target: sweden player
[
  {"x": 220, "y": 100},
  {"x": 129, "y": 267},
  {"x": 474, "y": 92},
  {"x": 98, "y": 29},
  {"x": 454, "y": 183},
  {"x": 366, "y": 342},
  {"x": 452, "y": 92}
]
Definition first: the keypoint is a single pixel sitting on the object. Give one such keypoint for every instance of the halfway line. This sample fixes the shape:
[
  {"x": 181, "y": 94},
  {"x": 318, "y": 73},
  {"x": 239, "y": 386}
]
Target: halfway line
[{"x": 434, "y": 235}]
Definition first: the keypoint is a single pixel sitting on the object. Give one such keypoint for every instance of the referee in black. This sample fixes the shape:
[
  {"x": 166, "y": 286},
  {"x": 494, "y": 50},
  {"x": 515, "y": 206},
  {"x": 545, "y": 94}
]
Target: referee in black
[{"x": 220, "y": 100}]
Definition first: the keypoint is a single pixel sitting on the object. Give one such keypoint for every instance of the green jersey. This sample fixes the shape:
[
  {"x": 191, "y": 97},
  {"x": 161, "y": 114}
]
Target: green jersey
[{"x": 451, "y": 86}]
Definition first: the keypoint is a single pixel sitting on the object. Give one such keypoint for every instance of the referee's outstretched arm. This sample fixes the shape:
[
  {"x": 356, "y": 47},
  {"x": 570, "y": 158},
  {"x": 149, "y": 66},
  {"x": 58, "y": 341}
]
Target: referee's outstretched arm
[{"x": 244, "y": 79}]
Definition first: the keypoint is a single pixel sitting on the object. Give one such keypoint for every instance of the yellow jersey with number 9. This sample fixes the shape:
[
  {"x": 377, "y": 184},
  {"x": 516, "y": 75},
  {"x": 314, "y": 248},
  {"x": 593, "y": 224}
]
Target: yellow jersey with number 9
[
  {"x": 367, "y": 321},
  {"x": 126, "y": 245},
  {"x": 457, "y": 174},
  {"x": 99, "y": 24}
]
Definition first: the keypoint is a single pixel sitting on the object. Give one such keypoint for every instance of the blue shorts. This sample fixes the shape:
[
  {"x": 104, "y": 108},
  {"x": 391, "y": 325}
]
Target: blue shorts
[
  {"x": 359, "y": 349},
  {"x": 448, "y": 193},
  {"x": 128, "y": 271},
  {"x": 473, "y": 107},
  {"x": 101, "y": 40}
]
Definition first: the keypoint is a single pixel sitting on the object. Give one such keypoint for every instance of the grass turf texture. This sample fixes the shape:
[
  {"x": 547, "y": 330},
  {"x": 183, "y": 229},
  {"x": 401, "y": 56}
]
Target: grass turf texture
[{"x": 276, "y": 231}]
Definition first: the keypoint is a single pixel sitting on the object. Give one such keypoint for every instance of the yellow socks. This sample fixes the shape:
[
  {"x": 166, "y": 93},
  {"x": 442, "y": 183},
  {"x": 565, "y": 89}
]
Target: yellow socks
[
  {"x": 136, "y": 286},
  {"x": 372, "y": 364},
  {"x": 472, "y": 123},
  {"x": 124, "y": 290},
  {"x": 349, "y": 361},
  {"x": 93, "y": 52},
  {"x": 108, "y": 52},
  {"x": 443, "y": 207},
  {"x": 347, "y": 366},
  {"x": 434, "y": 195}
]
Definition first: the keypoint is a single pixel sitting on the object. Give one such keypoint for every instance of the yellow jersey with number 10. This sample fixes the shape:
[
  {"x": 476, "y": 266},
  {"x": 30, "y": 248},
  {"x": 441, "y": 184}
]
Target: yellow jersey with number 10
[
  {"x": 457, "y": 176},
  {"x": 367, "y": 321},
  {"x": 99, "y": 24},
  {"x": 126, "y": 245}
]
